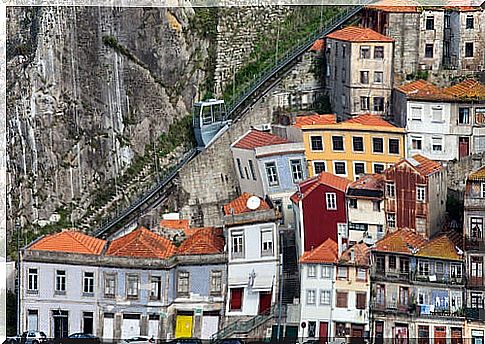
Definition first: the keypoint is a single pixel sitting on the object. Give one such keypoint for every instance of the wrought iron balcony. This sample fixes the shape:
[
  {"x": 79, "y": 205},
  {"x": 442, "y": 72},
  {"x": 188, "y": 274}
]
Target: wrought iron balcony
[{"x": 475, "y": 313}]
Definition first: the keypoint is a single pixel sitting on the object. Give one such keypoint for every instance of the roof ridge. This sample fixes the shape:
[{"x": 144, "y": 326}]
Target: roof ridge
[
  {"x": 145, "y": 241},
  {"x": 71, "y": 234}
]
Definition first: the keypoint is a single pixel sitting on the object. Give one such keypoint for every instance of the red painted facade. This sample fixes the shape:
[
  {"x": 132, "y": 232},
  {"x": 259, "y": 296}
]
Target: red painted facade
[{"x": 320, "y": 223}]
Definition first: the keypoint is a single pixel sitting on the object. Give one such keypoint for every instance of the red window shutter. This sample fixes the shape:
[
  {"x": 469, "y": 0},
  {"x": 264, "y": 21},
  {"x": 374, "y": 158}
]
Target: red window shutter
[
  {"x": 361, "y": 300},
  {"x": 236, "y": 298}
]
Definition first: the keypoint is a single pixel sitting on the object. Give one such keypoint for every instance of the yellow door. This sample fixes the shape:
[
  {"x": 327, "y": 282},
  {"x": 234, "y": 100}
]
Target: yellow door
[{"x": 183, "y": 327}]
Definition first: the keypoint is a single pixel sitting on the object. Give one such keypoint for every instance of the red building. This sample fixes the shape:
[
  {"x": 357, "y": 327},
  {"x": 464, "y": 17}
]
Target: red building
[{"x": 320, "y": 211}]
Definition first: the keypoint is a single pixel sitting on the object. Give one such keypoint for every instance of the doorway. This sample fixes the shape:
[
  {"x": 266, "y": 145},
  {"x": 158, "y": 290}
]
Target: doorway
[
  {"x": 323, "y": 334},
  {"x": 357, "y": 334},
  {"x": 379, "y": 335},
  {"x": 463, "y": 147},
  {"x": 88, "y": 322},
  {"x": 61, "y": 324},
  {"x": 440, "y": 335},
  {"x": 265, "y": 298}
]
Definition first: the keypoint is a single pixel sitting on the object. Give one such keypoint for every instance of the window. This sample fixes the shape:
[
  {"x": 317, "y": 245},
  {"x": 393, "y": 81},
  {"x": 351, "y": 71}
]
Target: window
[
  {"x": 310, "y": 297},
  {"x": 317, "y": 143},
  {"x": 312, "y": 270},
  {"x": 428, "y": 51},
  {"x": 377, "y": 145},
  {"x": 437, "y": 113},
  {"x": 364, "y": 77},
  {"x": 337, "y": 143},
  {"x": 376, "y": 206},
  {"x": 236, "y": 299},
  {"x": 359, "y": 168},
  {"x": 439, "y": 267},
  {"x": 132, "y": 286},
  {"x": 342, "y": 299},
  {"x": 246, "y": 170},
  {"x": 237, "y": 244},
  {"x": 296, "y": 170},
  {"x": 88, "y": 283},
  {"x": 331, "y": 200},
  {"x": 155, "y": 288},
  {"x": 437, "y": 144},
  {"x": 365, "y": 52},
  {"x": 326, "y": 271},
  {"x": 469, "y": 49},
  {"x": 455, "y": 271},
  {"x": 469, "y": 22},
  {"x": 423, "y": 298},
  {"x": 340, "y": 330},
  {"x": 33, "y": 280},
  {"x": 216, "y": 282},
  {"x": 421, "y": 225},
  {"x": 416, "y": 143},
  {"x": 404, "y": 265},
  {"x": 391, "y": 220},
  {"x": 361, "y": 274},
  {"x": 423, "y": 268},
  {"x": 420, "y": 193},
  {"x": 325, "y": 297},
  {"x": 378, "y": 103},
  {"x": 340, "y": 167},
  {"x": 464, "y": 115},
  {"x": 380, "y": 263},
  {"x": 343, "y": 50},
  {"x": 353, "y": 203},
  {"x": 342, "y": 272},
  {"x": 476, "y": 267},
  {"x": 358, "y": 144},
  {"x": 403, "y": 296},
  {"x": 390, "y": 190},
  {"x": 476, "y": 228},
  {"x": 60, "y": 281},
  {"x": 312, "y": 326},
  {"x": 483, "y": 190},
  {"x": 476, "y": 300},
  {"x": 358, "y": 226},
  {"x": 239, "y": 168},
  {"x": 378, "y": 168},
  {"x": 272, "y": 174},
  {"x": 318, "y": 167},
  {"x": 430, "y": 23},
  {"x": 364, "y": 103},
  {"x": 183, "y": 283},
  {"x": 379, "y": 52},
  {"x": 251, "y": 169},
  {"x": 416, "y": 113},
  {"x": 266, "y": 242},
  {"x": 360, "y": 300},
  {"x": 378, "y": 77},
  {"x": 392, "y": 262},
  {"x": 109, "y": 285},
  {"x": 32, "y": 320},
  {"x": 380, "y": 294},
  {"x": 394, "y": 146}
]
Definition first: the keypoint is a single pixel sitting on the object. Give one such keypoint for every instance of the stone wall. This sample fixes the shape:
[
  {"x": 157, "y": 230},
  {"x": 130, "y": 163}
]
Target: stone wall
[{"x": 458, "y": 172}]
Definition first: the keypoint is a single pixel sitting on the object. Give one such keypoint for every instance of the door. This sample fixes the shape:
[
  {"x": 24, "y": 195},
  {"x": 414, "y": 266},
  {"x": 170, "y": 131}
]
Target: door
[
  {"x": 357, "y": 334},
  {"x": 183, "y": 326},
  {"x": 61, "y": 324},
  {"x": 264, "y": 302},
  {"x": 210, "y": 325},
  {"x": 153, "y": 321},
  {"x": 456, "y": 335},
  {"x": 88, "y": 322},
  {"x": 463, "y": 147},
  {"x": 379, "y": 332},
  {"x": 108, "y": 326},
  {"x": 33, "y": 320},
  {"x": 323, "y": 334},
  {"x": 130, "y": 326},
  {"x": 440, "y": 335}
]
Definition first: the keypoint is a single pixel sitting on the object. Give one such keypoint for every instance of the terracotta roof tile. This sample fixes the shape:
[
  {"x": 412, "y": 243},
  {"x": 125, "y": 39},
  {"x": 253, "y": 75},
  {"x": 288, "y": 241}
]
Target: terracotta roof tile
[
  {"x": 315, "y": 119},
  {"x": 327, "y": 252},
  {"x": 424, "y": 90},
  {"x": 141, "y": 243},
  {"x": 239, "y": 205},
  {"x": 369, "y": 182},
  {"x": 175, "y": 224},
  {"x": 324, "y": 178},
  {"x": 426, "y": 166},
  {"x": 69, "y": 241},
  {"x": 256, "y": 138},
  {"x": 467, "y": 89},
  {"x": 361, "y": 255},
  {"x": 401, "y": 241},
  {"x": 399, "y": 6},
  {"x": 440, "y": 247},
  {"x": 370, "y": 120},
  {"x": 478, "y": 175},
  {"x": 207, "y": 240},
  {"x": 319, "y": 45},
  {"x": 358, "y": 34}
]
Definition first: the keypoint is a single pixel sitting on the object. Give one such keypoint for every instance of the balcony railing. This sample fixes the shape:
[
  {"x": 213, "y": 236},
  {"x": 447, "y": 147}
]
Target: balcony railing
[
  {"x": 475, "y": 313},
  {"x": 475, "y": 244},
  {"x": 394, "y": 306},
  {"x": 476, "y": 281},
  {"x": 475, "y": 202},
  {"x": 391, "y": 275},
  {"x": 413, "y": 276},
  {"x": 444, "y": 313}
]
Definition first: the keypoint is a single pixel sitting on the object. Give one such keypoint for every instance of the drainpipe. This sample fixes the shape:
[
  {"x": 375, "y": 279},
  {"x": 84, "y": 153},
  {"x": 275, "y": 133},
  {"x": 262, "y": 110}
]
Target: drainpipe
[
  {"x": 331, "y": 330},
  {"x": 280, "y": 298}
]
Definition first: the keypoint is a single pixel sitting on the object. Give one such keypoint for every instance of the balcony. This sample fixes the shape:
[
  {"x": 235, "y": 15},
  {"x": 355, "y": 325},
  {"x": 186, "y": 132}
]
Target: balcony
[
  {"x": 477, "y": 203},
  {"x": 475, "y": 314},
  {"x": 423, "y": 311},
  {"x": 393, "y": 307},
  {"x": 476, "y": 281},
  {"x": 438, "y": 278},
  {"x": 475, "y": 244},
  {"x": 391, "y": 275}
]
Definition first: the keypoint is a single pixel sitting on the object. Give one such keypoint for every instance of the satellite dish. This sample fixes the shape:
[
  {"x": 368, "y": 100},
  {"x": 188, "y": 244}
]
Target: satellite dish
[{"x": 253, "y": 202}]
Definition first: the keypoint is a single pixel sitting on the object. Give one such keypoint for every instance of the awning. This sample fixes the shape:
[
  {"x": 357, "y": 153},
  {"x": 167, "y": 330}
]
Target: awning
[{"x": 262, "y": 283}]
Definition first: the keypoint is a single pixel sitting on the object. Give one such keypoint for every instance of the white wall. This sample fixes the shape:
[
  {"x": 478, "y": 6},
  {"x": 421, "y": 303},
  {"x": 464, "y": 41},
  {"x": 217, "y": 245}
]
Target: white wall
[{"x": 365, "y": 214}]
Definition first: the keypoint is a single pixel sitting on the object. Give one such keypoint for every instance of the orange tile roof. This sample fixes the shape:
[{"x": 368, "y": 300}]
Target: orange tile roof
[
  {"x": 239, "y": 205},
  {"x": 69, "y": 241},
  {"x": 426, "y": 166},
  {"x": 315, "y": 119},
  {"x": 467, "y": 89},
  {"x": 141, "y": 243},
  {"x": 327, "y": 252},
  {"x": 206, "y": 240},
  {"x": 478, "y": 174},
  {"x": 440, "y": 247},
  {"x": 256, "y": 138},
  {"x": 175, "y": 224},
  {"x": 369, "y": 182},
  {"x": 368, "y": 119},
  {"x": 424, "y": 90},
  {"x": 324, "y": 178},
  {"x": 401, "y": 6},
  {"x": 361, "y": 255},
  {"x": 319, "y": 45},
  {"x": 358, "y": 34},
  {"x": 401, "y": 241}
]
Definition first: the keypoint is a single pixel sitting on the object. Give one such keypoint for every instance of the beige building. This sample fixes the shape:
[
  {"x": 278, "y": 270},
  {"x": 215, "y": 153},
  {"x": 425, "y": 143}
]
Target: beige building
[{"x": 359, "y": 71}]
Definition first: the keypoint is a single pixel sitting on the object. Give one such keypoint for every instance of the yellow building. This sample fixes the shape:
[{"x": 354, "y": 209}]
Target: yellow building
[{"x": 363, "y": 144}]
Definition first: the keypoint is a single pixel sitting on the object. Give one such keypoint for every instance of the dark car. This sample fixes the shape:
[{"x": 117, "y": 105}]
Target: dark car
[
  {"x": 81, "y": 338},
  {"x": 186, "y": 341},
  {"x": 232, "y": 341}
]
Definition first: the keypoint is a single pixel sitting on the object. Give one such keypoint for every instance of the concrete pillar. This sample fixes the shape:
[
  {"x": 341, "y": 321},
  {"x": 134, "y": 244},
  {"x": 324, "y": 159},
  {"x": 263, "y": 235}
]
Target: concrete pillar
[
  {"x": 144, "y": 325},
  {"x": 117, "y": 325},
  {"x": 197, "y": 329}
]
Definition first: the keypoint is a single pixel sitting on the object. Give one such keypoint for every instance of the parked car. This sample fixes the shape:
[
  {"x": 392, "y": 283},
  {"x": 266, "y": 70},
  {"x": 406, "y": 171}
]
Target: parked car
[
  {"x": 232, "y": 341},
  {"x": 81, "y": 338},
  {"x": 186, "y": 341},
  {"x": 13, "y": 339},
  {"x": 138, "y": 340},
  {"x": 33, "y": 337}
]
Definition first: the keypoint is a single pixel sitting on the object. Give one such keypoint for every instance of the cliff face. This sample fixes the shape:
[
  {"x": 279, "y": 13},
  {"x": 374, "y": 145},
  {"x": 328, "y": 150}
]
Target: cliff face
[{"x": 88, "y": 89}]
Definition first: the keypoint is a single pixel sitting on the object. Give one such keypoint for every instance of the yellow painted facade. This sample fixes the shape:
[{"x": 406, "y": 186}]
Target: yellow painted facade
[
  {"x": 371, "y": 159},
  {"x": 183, "y": 326}
]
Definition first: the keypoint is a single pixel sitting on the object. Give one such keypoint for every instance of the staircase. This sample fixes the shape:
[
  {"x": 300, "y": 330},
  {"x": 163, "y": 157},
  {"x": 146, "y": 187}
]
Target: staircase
[{"x": 291, "y": 277}]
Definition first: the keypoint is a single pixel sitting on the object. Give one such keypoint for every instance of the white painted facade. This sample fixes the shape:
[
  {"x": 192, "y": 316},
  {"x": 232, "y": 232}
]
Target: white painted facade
[{"x": 366, "y": 213}]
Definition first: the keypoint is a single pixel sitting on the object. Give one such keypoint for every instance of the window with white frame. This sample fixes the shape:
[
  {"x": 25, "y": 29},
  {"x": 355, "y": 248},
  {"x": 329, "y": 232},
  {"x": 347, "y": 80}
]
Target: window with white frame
[
  {"x": 155, "y": 288},
  {"x": 296, "y": 170},
  {"x": 365, "y": 52},
  {"x": 237, "y": 249},
  {"x": 416, "y": 143},
  {"x": 316, "y": 143},
  {"x": 379, "y": 52},
  {"x": 183, "y": 282},
  {"x": 476, "y": 228},
  {"x": 437, "y": 144},
  {"x": 342, "y": 230},
  {"x": 378, "y": 168},
  {"x": 325, "y": 297},
  {"x": 364, "y": 103},
  {"x": 364, "y": 77},
  {"x": 340, "y": 168},
  {"x": 326, "y": 271},
  {"x": 312, "y": 270},
  {"x": 342, "y": 272},
  {"x": 483, "y": 190},
  {"x": 318, "y": 167},
  {"x": 423, "y": 268},
  {"x": 378, "y": 77},
  {"x": 60, "y": 281},
  {"x": 476, "y": 268},
  {"x": 33, "y": 279},
  {"x": 437, "y": 114},
  {"x": 391, "y": 220},
  {"x": 464, "y": 115},
  {"x": 361, "y": 274},
  {"x": 359, "y": 168},
  {"x": 266, "y": 242},
  {"x": 132, "y": 286},
  {"x": 272, "y": 174},
  {"x": 310, "y": 297},
  {"x": 390, "y": 190},
  {"x": 88, "y": 282},
  {"x": 455, "y": 271},
  {"x": 421, "y": 193},
  {"x": 331, "y": 200},
  {"x": 416, "y": 112},
  {"x": 216, "y": 282},
  {"x": 109, "y": 285}
]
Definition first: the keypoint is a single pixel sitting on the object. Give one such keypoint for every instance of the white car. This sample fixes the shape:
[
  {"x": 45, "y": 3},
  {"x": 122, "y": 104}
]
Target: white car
[{"x": 138, "y": 340}]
